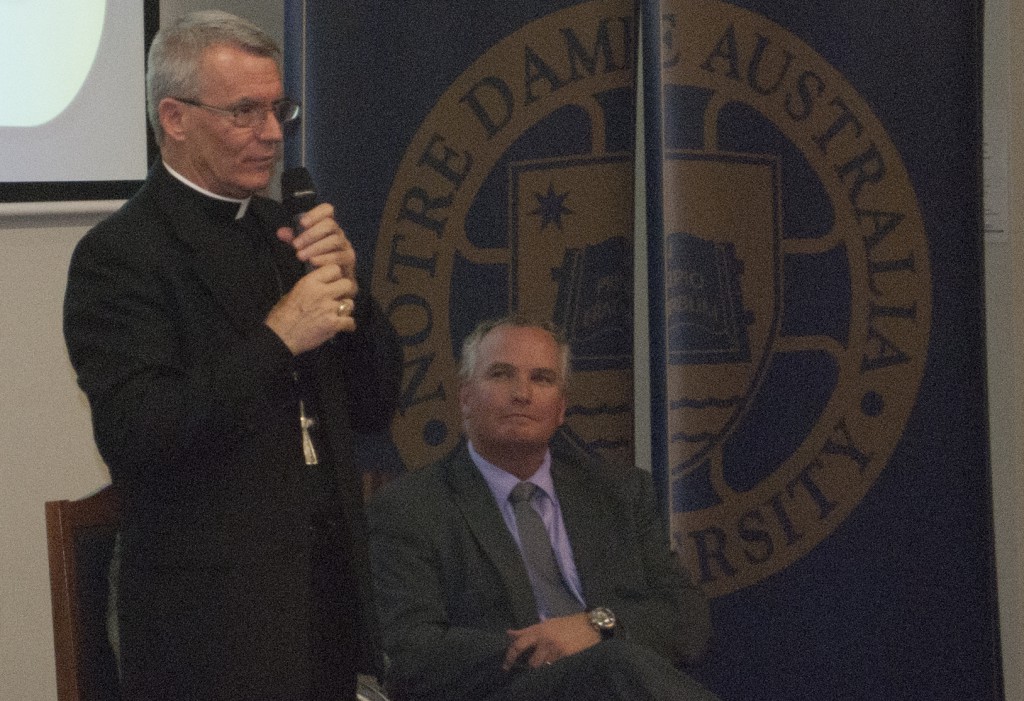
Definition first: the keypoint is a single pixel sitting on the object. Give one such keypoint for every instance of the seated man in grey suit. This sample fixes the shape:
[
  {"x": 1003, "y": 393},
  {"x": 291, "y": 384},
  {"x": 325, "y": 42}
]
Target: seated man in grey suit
[{"x": 511, "y": 571}]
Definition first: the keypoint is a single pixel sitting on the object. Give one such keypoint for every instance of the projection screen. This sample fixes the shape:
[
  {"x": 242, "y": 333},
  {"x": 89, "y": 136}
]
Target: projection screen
[{"x": 72, "y": 98}]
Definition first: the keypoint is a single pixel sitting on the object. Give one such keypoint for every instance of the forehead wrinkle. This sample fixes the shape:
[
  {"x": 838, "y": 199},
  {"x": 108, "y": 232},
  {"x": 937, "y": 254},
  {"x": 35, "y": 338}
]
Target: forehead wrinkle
[{"x": 226, "y": 68}]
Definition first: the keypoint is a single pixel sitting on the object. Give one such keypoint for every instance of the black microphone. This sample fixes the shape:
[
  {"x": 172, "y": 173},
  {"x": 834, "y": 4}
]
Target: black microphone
[{"x": 298, "y": 194}]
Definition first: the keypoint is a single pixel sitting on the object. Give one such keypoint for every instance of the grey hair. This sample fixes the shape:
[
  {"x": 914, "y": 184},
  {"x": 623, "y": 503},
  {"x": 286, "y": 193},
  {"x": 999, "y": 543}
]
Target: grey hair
[
  {"x": 471, "y": 344},
  {"x": 174, "y": 56}
]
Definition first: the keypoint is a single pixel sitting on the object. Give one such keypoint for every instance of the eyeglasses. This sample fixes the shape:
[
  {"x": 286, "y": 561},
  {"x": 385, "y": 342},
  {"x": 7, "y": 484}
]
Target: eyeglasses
[{"x": 249, "y": 115}]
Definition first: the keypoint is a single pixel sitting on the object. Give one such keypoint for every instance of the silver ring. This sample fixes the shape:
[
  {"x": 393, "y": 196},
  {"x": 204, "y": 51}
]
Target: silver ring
[{"x": 346, "y": 307}]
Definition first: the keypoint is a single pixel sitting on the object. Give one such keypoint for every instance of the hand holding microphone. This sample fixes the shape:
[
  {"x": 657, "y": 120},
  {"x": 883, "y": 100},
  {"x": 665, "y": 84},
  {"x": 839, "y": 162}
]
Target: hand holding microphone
[
  {"x": 322, "y": 302},
  {"x": 315, "y": 235}
]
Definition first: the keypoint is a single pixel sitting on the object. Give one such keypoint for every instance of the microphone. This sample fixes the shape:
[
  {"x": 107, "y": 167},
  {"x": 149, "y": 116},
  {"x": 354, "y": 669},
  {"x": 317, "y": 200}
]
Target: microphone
[{"x": 298, "y": 194}]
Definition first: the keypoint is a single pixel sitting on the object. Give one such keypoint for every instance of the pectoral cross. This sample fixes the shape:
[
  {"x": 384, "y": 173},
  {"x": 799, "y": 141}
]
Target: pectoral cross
[{"x": 306, "y": 423}]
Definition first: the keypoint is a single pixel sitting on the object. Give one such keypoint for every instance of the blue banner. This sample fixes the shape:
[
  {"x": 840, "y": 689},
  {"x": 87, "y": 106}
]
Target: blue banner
[
  {"x": 481, "y": 157},
  {"x": 817, "y": 336},
  {"x": 818, "y": 401}
]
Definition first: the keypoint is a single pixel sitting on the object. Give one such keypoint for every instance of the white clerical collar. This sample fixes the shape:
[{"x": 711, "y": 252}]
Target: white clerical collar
[{"x": 243, "y": 205}]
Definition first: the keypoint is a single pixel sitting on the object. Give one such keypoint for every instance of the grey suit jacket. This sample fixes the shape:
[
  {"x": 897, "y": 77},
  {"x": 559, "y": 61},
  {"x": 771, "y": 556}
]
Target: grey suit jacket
[{"x": 450, "y": 579}]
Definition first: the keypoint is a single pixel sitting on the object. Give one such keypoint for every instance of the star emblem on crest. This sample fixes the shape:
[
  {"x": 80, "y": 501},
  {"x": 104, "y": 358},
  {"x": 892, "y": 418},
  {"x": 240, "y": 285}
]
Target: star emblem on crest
[{"x": 551, "y": 207}]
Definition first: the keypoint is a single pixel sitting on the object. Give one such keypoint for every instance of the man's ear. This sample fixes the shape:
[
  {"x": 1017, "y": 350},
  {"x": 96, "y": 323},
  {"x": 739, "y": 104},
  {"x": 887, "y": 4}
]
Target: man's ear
[{"x": 172, "y": 118}]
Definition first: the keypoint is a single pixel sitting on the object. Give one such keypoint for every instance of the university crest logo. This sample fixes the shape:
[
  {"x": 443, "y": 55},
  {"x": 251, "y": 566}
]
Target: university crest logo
[{"x": 796, "y": 282}]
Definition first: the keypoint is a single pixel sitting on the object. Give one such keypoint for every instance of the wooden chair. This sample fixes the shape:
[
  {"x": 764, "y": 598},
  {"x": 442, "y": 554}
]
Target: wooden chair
[
  {"x": 80, "y": 537},
  {"x": 80, "y": 540}
]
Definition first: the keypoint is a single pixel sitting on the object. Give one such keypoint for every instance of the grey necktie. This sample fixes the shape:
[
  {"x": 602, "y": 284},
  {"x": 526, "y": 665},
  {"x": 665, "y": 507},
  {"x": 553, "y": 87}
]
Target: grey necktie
[{"x": 548, "y": 585}]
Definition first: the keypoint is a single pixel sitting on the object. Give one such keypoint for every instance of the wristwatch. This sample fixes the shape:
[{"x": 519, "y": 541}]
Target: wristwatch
[{"x": 603, "y": 621}]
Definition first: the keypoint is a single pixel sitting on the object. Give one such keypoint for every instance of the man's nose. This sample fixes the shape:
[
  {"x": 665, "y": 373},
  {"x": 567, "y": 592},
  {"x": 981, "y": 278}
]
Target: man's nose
[
  {"x": 271, "y": 129},
  {"x": 522, "y": 389}
]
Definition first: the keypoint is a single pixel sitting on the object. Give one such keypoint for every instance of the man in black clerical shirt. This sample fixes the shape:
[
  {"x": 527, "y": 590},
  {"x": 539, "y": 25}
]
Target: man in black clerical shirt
[{"x": 229, "y": 357}]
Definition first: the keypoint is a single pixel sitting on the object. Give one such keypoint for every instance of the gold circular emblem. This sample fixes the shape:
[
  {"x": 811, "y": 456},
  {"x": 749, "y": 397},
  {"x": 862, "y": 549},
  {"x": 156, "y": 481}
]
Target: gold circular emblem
[{"x": 793, "y": 242}]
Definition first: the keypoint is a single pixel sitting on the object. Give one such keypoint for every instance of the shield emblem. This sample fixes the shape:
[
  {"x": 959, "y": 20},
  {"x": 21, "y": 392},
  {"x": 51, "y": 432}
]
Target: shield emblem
[
  {"x": 571, "y": 223},
  {"x": 722, "y": 282}
]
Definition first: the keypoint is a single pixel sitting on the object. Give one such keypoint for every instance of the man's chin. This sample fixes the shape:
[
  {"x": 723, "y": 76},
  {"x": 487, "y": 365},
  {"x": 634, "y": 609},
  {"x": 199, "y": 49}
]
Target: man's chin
[
  {"x": 525, "y": 442},
  {"x": 261, "y": 181},
  {"x": 259, "y": 175}
]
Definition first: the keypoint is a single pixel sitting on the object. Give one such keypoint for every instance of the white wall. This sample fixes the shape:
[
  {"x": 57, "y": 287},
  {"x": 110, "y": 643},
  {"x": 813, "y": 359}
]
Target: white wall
[
  {"x": 46, "y": 439},
  {"x": 1004, "y": 298},
  {"x": 48, "y": 453}
]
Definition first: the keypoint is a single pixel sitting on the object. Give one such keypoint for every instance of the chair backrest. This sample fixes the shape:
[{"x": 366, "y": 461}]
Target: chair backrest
[{"x": 80, "y": 539}]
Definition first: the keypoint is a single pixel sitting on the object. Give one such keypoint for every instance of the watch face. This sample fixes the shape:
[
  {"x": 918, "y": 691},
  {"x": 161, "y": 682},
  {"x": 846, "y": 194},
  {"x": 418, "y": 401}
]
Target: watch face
[{"x": 602, "y": 619}]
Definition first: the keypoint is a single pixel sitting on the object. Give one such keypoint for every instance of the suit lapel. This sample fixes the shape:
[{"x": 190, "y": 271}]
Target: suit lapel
[
  {"x": 589, "y": 525},
  {"x": 474, "y": 499}
]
